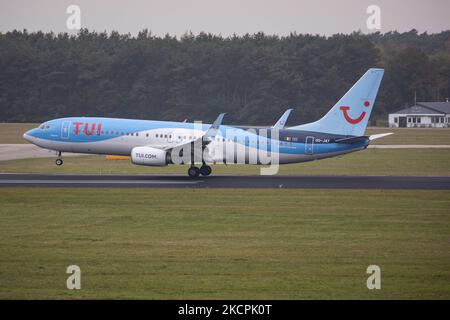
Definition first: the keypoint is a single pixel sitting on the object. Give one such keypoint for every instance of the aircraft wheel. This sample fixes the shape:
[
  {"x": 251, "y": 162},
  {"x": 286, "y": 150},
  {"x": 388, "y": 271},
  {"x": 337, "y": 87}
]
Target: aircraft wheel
[
  {"x": 59, "y": 162},
  {"x": 205, "y": 170},
  {"x": 193, "y": 172}
]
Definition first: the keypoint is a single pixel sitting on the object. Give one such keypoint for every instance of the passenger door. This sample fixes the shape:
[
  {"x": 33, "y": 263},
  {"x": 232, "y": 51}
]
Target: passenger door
[
  {"x": 65, "y": 127},
  {"x": 309, "y": 145}
]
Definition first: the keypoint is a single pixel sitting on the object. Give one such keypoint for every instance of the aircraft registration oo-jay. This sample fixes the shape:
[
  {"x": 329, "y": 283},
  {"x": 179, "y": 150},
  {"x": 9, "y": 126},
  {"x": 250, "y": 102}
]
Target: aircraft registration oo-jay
[{"x": 160, "y": 143}]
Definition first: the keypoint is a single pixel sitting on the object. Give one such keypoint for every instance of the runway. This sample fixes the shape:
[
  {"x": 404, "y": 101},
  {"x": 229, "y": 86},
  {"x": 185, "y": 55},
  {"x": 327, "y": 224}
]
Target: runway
[
  {"x": 28, "y": 151},
  {"x": 224, "y": 181}
]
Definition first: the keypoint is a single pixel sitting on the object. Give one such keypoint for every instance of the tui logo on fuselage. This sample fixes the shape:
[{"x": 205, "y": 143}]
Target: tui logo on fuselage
[{"x": 88, "y": 129}]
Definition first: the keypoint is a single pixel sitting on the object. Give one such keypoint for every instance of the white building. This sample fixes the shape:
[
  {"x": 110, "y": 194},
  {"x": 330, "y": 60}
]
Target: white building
[{"x": 422, "y": 115}]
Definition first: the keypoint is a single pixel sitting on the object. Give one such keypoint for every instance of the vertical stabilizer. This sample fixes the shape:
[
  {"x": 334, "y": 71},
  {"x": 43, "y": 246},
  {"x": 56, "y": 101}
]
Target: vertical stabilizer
[{"x": 350, "y": 115}]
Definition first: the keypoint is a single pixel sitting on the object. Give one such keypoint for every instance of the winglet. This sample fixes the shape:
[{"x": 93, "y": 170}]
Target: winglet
[
  {"x": 212, "y": 131},
  {"x": 204, "y": 139},
  {"x": 380, "y": 135},
  {"x": 282, "y": 121}
]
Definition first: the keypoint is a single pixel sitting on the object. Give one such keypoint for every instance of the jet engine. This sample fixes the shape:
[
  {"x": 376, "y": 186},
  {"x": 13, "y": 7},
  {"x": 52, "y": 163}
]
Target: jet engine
[{"x": 148, "y": 156}]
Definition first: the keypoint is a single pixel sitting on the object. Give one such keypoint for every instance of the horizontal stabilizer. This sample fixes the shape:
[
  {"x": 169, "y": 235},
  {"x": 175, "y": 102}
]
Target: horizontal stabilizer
[
  {"x": 352, "y": 140},
  {"x": 380, "y": 135}
]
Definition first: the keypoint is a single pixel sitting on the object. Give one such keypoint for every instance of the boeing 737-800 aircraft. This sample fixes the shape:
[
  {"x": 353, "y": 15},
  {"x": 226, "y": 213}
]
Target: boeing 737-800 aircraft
[{"x": 159, "y": 143}]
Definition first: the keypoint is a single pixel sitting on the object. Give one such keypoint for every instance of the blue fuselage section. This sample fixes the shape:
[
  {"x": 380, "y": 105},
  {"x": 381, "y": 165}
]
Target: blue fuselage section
[{"x": 120, "y": 136}]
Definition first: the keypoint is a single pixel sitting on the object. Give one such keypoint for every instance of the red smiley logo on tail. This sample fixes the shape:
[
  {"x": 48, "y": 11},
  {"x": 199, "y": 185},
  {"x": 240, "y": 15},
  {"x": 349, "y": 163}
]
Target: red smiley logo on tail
[{"x": 350, "y": 119}]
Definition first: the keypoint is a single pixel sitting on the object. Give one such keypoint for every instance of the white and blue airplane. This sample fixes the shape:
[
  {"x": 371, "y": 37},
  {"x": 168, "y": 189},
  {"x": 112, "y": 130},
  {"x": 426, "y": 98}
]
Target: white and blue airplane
[{"x": 160, "y": 143}]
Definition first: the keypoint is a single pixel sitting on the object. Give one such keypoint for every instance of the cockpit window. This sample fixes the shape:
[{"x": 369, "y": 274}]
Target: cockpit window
[{"x": 44, "y": 126}]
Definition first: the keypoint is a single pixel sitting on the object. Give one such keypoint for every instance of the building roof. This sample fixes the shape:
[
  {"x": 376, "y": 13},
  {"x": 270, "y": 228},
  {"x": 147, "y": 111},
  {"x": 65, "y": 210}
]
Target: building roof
[
  {"x": 417, "y": 109},
  {"x": 443, "y": 107},
  {"x": 438, "y": 108}
]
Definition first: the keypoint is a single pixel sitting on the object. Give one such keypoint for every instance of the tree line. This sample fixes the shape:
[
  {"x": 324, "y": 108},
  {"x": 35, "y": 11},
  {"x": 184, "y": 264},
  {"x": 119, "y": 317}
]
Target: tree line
[{"x": 253, "y": 78}]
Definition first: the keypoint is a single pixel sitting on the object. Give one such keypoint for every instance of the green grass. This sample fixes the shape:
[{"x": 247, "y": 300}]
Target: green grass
[
  {"x": 412, "y": 136},
  {"x": 220, "y": 244},
  {"x": 427, "y": 162},
  {"x": 12, "y": 133}
]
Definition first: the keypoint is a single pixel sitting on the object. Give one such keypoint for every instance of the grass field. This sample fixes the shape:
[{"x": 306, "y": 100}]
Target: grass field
[
  {"x": 12, "y": 133},
  {"x": 243, "y": 244},
  {"x": 427, "y": 162}
]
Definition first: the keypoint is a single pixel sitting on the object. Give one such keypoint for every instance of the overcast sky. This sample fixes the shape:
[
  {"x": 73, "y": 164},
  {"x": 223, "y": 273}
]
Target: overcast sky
[{"x": 226, "y": 16}]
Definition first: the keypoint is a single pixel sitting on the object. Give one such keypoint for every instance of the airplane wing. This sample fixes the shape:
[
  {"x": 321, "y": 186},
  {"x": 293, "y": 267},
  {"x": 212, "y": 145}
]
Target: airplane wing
[
  {"x": 205, "y": 138},
  {"x": 282, "y": 121}
]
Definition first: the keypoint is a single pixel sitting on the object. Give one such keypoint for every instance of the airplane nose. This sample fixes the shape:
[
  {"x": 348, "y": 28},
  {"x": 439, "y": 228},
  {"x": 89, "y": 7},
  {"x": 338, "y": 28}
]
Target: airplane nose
[{"x": 27, "y": 136}]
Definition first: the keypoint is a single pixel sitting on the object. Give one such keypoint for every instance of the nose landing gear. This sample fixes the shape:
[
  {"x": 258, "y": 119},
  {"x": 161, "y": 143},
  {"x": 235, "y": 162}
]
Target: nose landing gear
[{"x": 59, "y": 161}]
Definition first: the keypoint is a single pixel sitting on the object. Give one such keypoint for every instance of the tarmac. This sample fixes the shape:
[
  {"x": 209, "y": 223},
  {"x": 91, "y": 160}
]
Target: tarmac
[{"x": 224, "y": 181}]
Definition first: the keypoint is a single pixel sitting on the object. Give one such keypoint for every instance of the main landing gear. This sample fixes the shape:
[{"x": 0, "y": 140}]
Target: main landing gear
[
  {"x": 59, "y": 161},
  {"x": 194, "y": 172},
  {"x": 205, "y": 170}
]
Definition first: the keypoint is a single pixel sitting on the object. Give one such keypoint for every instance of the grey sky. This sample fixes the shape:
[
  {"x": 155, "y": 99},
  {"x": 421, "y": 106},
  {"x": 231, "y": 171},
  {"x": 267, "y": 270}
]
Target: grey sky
[{"x": 226, "y": 16}]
